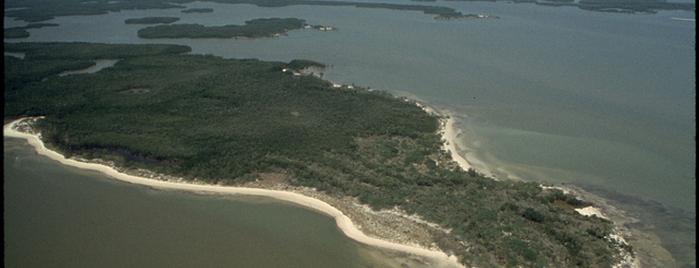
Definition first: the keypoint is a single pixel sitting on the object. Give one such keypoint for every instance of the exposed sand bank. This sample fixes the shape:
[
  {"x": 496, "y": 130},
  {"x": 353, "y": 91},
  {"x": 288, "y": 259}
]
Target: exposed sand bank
[{"x": 343, "y": 222}]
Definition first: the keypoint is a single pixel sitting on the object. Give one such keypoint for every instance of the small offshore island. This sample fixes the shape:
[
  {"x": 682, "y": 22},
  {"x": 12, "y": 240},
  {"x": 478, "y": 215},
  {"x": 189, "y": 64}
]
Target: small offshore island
[
  {"x": 614, "y": 6},
  {"x": 21, "y": 32},
  {"x": 193, "y": 119},
  {"x": 152, "y": 20},
  {"x": 198, "y": 10},
  {"x": 255, "y": 28},
  {"x": 34, "y": 11}
]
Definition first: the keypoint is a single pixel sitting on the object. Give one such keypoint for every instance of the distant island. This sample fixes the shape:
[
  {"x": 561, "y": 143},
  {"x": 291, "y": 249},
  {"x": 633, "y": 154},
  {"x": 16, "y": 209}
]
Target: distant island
[
  {"x": 466, "y": 16},
  {"x": 152, "y": 20},
  {"x": 617, "y": 6},
  {"x": 21, "y": 32},
  {"x": 34, "y": 11},
  {"x": 251, "y": 123},
  {"x": 198, "y": 10},
  {"x": 255, "y": 28}
]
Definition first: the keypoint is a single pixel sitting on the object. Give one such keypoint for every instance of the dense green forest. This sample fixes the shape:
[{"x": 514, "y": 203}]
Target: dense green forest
[
  {"x": 21, "y": 31},
  {"x": 151, "y": 20},
  {"x": 252, "y": 29},
  {"x": 232, "y": 121}
]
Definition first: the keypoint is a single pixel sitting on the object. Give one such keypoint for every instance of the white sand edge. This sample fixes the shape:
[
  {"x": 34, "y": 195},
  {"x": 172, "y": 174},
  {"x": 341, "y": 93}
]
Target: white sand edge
[
  {"x": 590, "y": 210},
  {"x": 449, "y": 133},
  {"x": 343, "y": 222},
  {"x": 585, "y": 211}
]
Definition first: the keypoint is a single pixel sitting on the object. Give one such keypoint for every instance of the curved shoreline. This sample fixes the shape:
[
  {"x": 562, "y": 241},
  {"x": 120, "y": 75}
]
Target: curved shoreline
[
  {"x": 343, "y": 222},
  {"x": 450, "y": 133}
]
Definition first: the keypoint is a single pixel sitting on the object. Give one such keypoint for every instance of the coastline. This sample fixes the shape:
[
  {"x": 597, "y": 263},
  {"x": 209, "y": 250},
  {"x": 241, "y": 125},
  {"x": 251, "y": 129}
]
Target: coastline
[
  {"x": 449, "y": 133},
  {"x": 621, "y": 233},
  {"x": 343, "y": 222},
  {"x": 447, "y": 129}
]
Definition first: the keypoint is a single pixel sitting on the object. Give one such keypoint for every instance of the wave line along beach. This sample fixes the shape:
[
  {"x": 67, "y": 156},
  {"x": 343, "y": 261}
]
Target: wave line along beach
[{"x": 343, "y": 222}]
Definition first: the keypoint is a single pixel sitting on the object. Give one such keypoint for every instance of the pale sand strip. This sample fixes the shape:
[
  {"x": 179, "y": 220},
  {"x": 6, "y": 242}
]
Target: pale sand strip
[
  {"x": 586, "y": 211},
  {"x": 627, "y": 260},
  {"x": 343, "y": 222},
  {"x": 590, "y": 210},
  {"x": 449, "y": 133},
  {"x": 682, "y": 19}
]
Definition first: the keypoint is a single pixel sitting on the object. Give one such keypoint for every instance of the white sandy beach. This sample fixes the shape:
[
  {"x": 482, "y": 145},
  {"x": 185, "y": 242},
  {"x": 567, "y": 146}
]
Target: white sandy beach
[
  {"x": 449, "y": 134},
  {"x": 343, "y": 222}
]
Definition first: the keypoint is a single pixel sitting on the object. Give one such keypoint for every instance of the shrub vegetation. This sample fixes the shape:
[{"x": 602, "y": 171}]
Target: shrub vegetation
[{"x": 227, "y": 121}]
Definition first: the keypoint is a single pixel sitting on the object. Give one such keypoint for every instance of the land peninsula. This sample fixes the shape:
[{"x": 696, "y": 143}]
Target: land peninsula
[
  {"x": 152, "y": 20},
  {"x": 21, "y": 32},
  {"x": 246, "y": 123},
  {"x": 255, "y": 28}
]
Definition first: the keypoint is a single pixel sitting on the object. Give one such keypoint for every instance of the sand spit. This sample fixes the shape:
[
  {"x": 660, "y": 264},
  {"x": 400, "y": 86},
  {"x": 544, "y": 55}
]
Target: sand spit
[{"x": 343, "y": 222}]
